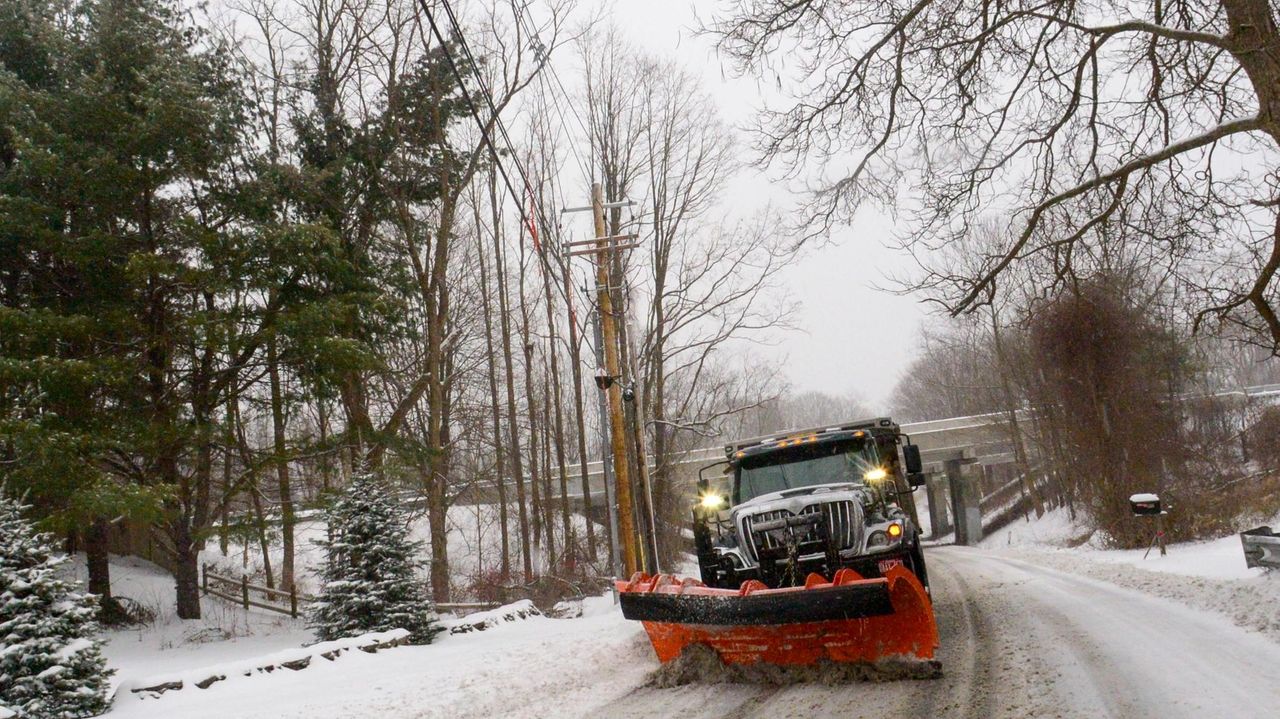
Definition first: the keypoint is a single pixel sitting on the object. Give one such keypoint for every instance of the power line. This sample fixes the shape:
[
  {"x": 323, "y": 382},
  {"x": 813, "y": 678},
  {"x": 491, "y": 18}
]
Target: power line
[
  {"x": 530, "y": 29},
  {"x": 475, "y": 112},
  {"x": 493, "y": 109},
  {"x": 496, "y": 119}
]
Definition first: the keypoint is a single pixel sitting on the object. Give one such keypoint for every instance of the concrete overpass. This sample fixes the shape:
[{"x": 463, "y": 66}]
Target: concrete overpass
[
  {"x": 978, "y": 439},
  {"x": 969, "y": 464}
]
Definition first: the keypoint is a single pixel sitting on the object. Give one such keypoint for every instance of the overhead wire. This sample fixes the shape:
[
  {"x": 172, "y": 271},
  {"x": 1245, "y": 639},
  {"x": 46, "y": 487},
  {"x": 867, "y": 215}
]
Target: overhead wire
[
  {"x": 486, "y": 137},
  {"x": 488, "y": 97},
  {"x": 475, "y": 113},
  {"x": 530, "y": 29}
]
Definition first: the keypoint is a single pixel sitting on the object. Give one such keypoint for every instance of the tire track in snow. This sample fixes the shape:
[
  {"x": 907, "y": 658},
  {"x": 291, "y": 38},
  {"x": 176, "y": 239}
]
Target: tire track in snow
[
  {"x": 967, "y": 641},
  {"x": 1022, "y": 640}
]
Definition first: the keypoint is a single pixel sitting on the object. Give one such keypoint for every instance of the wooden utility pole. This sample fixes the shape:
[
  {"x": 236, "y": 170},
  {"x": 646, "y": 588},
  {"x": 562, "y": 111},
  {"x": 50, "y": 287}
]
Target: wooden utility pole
[
  {"x": 601, "y": 247},
  {"x": 617, "y": 428}
]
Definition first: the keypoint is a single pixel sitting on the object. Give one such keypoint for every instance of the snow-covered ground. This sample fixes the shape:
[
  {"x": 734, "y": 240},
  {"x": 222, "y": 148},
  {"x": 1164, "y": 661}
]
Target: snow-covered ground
[
  {"x": 1018, "y": 640},
  {"x": 225, "y": 632},
  {"x": 228, "y": 634},
  {"x": 1030, "y": 627},
  {"x": 1221, "y": 558},
  {"x": 537, "y": 667}
]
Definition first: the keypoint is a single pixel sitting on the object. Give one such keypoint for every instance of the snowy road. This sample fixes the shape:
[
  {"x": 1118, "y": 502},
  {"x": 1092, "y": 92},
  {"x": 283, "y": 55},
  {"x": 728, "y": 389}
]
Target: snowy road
[{"x": 1019, "y": 641}]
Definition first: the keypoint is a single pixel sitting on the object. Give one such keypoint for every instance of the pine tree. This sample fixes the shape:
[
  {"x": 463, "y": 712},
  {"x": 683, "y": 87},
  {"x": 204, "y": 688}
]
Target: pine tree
[
  {"x": 370, "y": 577},
  {"x": 51, "y": 663}
]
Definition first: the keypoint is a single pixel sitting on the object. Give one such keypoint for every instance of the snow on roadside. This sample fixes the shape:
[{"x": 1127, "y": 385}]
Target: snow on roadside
[
  {"x": 1054, "y": 529},
  {"x": 538, "y": 667},
  {"x": 226, "y": 632},
  {"x": 1221, "y": 558},
  {"x": 276, "y": 661},
  {"x": 1209, "y": 575},
  {"x": 1250, "y": 603}
]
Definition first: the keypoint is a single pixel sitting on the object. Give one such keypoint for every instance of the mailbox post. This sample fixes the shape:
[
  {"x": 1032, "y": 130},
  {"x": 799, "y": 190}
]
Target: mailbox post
[{"x": 1148, "y": 505}]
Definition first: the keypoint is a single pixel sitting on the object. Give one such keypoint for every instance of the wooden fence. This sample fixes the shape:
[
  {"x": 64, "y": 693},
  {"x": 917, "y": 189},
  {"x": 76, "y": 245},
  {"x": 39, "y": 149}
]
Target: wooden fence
[
  {"x": 238, "y": 591},
  {"x": 241, "y": 591}
]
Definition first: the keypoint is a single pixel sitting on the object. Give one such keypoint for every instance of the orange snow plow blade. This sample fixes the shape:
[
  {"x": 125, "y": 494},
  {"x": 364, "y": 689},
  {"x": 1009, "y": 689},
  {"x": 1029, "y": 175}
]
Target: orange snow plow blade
[{"x": 849, "y": 619}]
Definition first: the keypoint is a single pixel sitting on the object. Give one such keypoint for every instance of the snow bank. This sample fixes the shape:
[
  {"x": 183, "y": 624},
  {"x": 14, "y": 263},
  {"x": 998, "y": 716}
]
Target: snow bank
[
  {"x": 294, "y": 659},
  {"x": 540, "y": 667},
  {"x": 1221, "y": 558},
  {"x": 1209, "y": 575},
  {"x": 1249, "y": 603},
  {"x": 491, "y": 618}
]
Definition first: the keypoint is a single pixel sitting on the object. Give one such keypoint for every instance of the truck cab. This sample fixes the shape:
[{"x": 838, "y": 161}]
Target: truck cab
[{"x": 811, "y": 501}]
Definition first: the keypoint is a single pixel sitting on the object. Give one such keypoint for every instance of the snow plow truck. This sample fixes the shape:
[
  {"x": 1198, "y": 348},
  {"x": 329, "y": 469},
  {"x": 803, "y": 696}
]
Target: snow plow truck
[{"x": 809, "y": 552}]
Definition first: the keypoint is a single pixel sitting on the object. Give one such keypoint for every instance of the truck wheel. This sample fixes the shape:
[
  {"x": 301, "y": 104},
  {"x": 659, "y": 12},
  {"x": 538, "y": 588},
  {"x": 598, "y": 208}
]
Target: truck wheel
[{"x": 915, "y": 561}]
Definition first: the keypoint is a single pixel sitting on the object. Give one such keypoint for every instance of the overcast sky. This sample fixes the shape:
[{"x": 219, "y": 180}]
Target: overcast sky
[{"x": 855, "y": 338}]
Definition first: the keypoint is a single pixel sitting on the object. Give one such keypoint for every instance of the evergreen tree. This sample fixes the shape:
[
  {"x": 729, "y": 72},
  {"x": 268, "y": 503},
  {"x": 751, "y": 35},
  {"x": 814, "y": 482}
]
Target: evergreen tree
[
  {"x": 370, "y": 575},
  {"x": 144, "y": 266},
  {"x": 51, "y": 664}
]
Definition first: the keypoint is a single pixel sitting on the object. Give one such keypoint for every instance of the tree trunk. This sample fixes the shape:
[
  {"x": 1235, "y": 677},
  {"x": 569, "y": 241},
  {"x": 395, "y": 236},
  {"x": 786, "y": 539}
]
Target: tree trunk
[
  {"x": 548, "y": 520},
  {"x": 261, "y": 523},
  {"x": 287, "y": 520},
  {"x": 579, "y": 405},
  {"x": 553, "y": 387},
  {"x": 531, "y": 411},
  {"x": 322, "y": 426},
  {"x": 224, "y": 518},
  {"x": 513, "y": 424},
  {"x": 255, "y": 493},
  {"x": 495, "y": 406},
  {"x": 96, "y": 548},
  {"x": 186, "y": 569}
]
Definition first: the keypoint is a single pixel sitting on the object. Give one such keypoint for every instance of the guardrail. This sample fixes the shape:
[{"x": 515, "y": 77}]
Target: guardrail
[{"x": 1261, "y": 548}]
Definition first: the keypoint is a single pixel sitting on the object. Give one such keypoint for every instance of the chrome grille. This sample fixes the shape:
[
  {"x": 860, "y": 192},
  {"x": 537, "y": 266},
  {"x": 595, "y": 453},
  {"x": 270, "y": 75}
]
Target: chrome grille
[
  {"x": 749, "y": 537},
  {"x": 843, "y": 524}
]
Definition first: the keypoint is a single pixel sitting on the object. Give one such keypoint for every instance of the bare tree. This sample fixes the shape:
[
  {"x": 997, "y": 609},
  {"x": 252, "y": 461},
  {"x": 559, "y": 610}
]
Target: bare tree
[
  {"x": 702, "y": 281},
  {"x": 1081, "y": 122}
]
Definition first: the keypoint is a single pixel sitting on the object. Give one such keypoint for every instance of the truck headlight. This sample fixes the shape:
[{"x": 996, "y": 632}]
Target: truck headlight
[
  {"x": 891, "y": 534},
  {"x": 712, "y": 501}
]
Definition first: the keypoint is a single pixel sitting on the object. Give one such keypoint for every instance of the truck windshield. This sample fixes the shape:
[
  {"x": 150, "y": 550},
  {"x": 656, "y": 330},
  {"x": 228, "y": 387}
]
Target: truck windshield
[{"x": 803, "y": 466}]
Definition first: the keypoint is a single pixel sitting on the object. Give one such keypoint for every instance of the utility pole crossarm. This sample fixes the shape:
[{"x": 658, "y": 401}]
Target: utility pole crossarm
[{"x": 603, "y": 206}]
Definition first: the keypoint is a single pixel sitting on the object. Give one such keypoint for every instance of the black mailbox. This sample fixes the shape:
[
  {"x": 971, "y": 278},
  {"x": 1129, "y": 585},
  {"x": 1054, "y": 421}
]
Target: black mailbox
[{"x": 1144, "y": 505}]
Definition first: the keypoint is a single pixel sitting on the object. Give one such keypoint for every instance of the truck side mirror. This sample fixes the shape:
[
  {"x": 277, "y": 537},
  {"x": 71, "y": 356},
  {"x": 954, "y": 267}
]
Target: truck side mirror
[{"x": 911, "y": 458}]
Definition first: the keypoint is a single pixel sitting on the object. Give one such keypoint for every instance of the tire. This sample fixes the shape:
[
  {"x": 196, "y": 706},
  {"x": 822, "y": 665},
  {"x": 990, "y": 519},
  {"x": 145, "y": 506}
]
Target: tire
[{"x": 915, "y": 562}]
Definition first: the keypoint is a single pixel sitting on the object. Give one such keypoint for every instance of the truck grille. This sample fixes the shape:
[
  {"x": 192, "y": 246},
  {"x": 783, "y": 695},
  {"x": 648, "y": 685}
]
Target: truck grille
[{"x": 843, "y": 523}]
